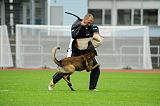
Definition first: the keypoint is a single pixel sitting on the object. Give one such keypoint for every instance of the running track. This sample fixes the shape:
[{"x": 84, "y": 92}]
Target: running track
[{"x": 102, "y": 70}]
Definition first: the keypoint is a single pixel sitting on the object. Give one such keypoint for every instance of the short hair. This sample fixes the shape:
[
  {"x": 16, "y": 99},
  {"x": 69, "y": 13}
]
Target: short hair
[{"x": 87, "y": 16}]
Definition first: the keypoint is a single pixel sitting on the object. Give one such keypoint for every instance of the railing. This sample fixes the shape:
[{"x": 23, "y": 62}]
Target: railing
[{"x": 155, "y": 56}]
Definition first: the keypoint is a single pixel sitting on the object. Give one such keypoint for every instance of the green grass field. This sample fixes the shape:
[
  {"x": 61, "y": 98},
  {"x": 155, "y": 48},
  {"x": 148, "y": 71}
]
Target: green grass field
[{"x": 30, "y": 88}]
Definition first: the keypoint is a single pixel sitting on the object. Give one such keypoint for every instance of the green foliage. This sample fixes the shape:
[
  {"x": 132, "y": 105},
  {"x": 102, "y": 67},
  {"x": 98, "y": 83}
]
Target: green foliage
[{"x": 30, "y": 88}]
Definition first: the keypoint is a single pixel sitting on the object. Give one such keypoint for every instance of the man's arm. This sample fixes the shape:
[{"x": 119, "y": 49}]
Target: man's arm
[
  {"x": 76, "y": 27},
  {"x": 95, "y": 29}
]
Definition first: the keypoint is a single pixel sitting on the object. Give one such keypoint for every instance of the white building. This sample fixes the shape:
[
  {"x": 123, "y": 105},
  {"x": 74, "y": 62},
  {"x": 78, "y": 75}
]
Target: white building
[
  {"x": 126, "y": 12},
  {"x": 37, "y": 11},
  {"x": 106, "y": 12}
]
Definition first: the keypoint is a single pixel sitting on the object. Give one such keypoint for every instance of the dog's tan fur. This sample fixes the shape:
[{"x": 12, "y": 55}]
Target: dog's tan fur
[{"x": 69, "y": 65}]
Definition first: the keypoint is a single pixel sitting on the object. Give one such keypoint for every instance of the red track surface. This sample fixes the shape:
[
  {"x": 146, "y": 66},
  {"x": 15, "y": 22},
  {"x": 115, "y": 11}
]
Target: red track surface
[{"x": 102, "y": 70}]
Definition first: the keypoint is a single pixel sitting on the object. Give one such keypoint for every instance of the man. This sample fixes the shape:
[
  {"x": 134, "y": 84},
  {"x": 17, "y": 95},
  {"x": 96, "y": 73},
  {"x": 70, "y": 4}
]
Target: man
[{"x": 81, "y": 29}]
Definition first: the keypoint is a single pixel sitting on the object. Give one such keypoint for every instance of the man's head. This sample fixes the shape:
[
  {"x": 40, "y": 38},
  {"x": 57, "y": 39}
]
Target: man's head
[{"x": 88, "y": 19}]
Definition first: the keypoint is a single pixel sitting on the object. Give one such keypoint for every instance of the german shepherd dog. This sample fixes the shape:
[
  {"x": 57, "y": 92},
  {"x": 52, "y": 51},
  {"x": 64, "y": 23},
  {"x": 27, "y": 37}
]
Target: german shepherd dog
[{"x": 69, "y": 65}]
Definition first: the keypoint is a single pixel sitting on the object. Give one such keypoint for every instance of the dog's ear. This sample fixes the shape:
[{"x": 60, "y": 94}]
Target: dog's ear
[
  {"x": 91, "y": 48},
  {"x": 95, "y": 52},
  {"x": 89, "y": 43}
]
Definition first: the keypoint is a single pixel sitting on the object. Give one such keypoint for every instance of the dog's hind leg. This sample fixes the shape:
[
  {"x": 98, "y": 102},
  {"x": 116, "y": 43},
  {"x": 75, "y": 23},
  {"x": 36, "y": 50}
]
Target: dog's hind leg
[
  {"x": 97, "y": 65},
  {"x": 68, "y": 82}
]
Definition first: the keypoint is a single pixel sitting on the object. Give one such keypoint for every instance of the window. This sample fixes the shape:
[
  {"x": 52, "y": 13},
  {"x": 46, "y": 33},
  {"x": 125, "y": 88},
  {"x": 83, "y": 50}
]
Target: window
[
  {"x": 150, "y": 16},
  {"x": 28, "y": 14},
  {"x": 107, "y": 16},
  {"x": 97, "y": 13},
  {"x": 38, "y": 15},
  {"x": 137, "y": 16},
  {"x": 124, "y": 17},
  {"x": 0, "y": 14}
]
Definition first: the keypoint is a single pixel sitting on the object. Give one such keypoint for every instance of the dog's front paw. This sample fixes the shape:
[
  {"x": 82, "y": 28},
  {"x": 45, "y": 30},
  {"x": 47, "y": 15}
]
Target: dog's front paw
[{"x": 87, "y": 70}]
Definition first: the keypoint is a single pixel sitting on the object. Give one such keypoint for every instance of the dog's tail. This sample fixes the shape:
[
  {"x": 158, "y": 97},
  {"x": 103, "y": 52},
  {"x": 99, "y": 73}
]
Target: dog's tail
[{"x": 54, "y": 49}]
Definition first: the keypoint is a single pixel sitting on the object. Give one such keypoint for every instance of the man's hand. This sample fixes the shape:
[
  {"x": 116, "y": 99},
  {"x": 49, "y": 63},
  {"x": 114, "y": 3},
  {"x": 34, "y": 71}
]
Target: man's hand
[{"x": 83, "y": 23}]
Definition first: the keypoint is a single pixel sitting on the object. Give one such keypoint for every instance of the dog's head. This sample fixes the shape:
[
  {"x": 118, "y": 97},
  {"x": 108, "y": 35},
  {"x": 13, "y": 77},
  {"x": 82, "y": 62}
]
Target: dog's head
[{"x": 91, "y": 48}]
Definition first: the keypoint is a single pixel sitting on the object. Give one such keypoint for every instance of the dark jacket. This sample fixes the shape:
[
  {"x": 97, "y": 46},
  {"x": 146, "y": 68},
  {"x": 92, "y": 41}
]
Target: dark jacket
[{"x": 79, "y": 31}]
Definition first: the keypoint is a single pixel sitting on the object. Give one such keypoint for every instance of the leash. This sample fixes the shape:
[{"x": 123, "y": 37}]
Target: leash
[{"x": 73, "y": 15}]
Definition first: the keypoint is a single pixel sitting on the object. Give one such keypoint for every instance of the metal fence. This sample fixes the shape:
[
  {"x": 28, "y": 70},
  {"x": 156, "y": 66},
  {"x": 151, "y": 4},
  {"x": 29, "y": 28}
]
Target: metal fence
[
  {"x": 5, "y": 50},
  {"x": 124, "y": 46}
]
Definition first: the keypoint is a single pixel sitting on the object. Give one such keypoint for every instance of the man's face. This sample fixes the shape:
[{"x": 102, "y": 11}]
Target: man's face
[{"x": 88, "y": 21}]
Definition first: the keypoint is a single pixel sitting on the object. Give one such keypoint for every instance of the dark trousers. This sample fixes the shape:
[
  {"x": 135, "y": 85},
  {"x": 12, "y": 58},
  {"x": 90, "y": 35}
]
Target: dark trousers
[{"x": 94, "y": 75}]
